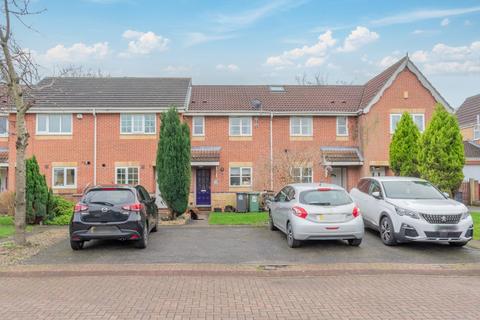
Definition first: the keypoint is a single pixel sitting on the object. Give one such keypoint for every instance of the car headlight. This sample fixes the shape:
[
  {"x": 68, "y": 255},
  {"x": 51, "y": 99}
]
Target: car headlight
[
  {"x": 465, "y": 215},
  {"x": 406, "y": 212}
]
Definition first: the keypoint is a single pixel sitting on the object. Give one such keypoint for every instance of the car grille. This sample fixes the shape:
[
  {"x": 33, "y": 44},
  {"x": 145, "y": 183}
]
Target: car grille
[
  {"x": 443, "y": 235},
  {"x": 442, "y": 218}
]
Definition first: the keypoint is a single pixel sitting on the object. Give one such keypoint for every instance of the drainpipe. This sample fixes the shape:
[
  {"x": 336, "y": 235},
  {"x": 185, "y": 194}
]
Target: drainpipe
[
  {"x": 271, "y": 151},
  {"x": 94, "y": 147}
]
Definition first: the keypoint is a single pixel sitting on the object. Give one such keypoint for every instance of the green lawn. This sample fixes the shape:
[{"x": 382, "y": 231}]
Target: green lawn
[
  {"x": 476, "y": 225},
  {"x": 237, "y": 218},
  {"x": 7, "y": 227}
]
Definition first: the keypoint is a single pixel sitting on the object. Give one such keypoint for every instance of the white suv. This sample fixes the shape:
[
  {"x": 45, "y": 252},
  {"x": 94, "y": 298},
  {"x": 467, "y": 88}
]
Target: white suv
[{"x": 411, "y": 209}]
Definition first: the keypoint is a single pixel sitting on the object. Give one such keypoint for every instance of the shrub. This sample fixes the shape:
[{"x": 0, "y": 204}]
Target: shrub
[
  {"x": 36, "y": 194},
  {"x": 60, "y": 210},
  {"x": 441, "y": 156},
  {"x": 404, "y": 148},
  {"x": 7, "y": 203}
]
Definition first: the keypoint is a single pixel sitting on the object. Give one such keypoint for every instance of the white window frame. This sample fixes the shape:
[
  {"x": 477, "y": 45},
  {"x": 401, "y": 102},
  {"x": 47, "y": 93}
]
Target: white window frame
[
  {"x": 301, "y": 174},
  {"x": 126, "y": 174},
  {"x": 202, "y": 126},
  {"x": 392, "y": 131},
  {"x": 3, "y": 135},
  {"x": 476, "y": 132},
  {"x": 142, "y": 131},
  {"x": 301, "y": 134},
  {"x": 241, "y": 134},
  {"x": 64, "y": 186},
  {"x": 346, "y": 127},
  {"x": 240, "y": 176},
  {"x": 62, "y": 133}
]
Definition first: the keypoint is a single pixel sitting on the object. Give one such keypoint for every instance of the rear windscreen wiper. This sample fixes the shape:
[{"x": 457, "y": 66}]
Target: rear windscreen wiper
[
  {"x": 320, "y": 203},
  {"x": 103, "y": 202}
]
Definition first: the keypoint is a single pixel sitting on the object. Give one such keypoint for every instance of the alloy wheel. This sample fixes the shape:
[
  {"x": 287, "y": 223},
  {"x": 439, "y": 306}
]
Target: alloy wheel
[{"x": 386, "y": 230}]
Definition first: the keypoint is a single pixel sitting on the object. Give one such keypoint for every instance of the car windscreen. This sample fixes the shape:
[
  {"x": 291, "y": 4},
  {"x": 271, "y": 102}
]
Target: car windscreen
[
  {"x": 411, "y": 190},
  {"x": 325, "y": 197},
  {"x": 109, "y": 197}
]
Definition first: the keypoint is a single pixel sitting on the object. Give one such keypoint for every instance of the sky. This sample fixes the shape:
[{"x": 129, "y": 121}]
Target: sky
[{"x": 260, "y": 41}]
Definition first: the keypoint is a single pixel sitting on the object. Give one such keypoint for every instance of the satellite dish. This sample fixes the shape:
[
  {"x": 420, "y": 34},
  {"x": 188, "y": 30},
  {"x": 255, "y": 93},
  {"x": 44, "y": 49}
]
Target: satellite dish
[{"x": 256, "y": 104}]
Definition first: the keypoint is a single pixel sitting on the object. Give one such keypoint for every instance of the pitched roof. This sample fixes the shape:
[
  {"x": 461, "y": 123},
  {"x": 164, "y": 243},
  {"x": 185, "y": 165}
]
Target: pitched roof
[
  {"x": 333, "y": 99},
  {"x": 472, "y": 150},
  {"x": 468, "y": 111},
  {"x": 206, "y": 154},
  {"x": 111, "y": 93},
  {"x": 341, "y": 155},
  {"x": 294, "y": 98}
]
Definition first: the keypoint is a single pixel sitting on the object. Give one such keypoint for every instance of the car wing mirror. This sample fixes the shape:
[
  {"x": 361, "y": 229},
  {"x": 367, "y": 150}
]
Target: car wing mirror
[{"x": 376, "y": 195}]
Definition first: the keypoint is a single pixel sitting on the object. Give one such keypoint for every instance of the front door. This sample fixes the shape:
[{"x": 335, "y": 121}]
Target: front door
[
  {"x": 203, "y": 187},
  {"x": 339, "y": 176}
]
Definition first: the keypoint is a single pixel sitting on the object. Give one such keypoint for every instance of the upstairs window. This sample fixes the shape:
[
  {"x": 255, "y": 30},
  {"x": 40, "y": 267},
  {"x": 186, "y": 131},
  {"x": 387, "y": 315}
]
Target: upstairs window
[
  {"x": 54, "y": 124},
  {"x": 240, "y": 126},
  {"x": 342, "y": 126},
  {"x": 302, "y": 174},
  {"x": 3, "y": 126},
  {"x": 301, "y": 126},
  {"x": 64, "y": 177},
  {"x": 137, "y": 123},
  {"x": 198, "y": 126},
  {"x": 418, "y": 119},
  {"x": 476, "y": 132}
]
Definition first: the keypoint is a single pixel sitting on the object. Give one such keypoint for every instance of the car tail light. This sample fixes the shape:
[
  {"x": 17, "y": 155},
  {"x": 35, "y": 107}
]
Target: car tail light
[
  {"x": 356, "y": 212},
  {"x": 300, "y": 212},
  {"x": 137, "y": 207},
  {"x": 324, "y": 189},
  {"x": 79, "y": 207}
]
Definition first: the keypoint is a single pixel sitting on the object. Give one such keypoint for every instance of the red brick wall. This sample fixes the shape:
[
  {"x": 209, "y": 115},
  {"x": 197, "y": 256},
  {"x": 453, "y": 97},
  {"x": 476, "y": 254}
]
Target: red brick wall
[{"x": 375, "y": 125}]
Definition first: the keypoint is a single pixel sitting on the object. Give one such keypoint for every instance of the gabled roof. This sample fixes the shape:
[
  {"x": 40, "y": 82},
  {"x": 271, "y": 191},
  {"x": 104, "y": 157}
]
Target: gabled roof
[
  {"x": 321, "y": 99},
  {"x": 472, "y": 150},
  {"x": 110, "y": 93},
  {"x": 468, "y": 111},
  {"x": 294, "y": 98}
]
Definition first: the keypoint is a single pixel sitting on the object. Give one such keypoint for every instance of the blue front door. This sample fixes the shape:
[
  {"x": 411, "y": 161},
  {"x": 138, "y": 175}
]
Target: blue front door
[{"x": 203, "y": 187}]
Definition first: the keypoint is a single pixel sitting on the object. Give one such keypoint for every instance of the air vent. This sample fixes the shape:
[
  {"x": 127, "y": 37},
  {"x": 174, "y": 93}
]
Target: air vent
[{"x": 256, "y": 104}]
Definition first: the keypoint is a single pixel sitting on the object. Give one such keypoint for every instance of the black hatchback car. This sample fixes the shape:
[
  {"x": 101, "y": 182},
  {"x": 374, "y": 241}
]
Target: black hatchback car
[{"x": 114, "y": 212}]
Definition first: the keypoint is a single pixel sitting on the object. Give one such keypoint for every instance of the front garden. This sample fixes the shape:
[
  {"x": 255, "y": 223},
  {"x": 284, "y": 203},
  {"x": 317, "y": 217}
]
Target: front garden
[{"x": 238, "y": 218}]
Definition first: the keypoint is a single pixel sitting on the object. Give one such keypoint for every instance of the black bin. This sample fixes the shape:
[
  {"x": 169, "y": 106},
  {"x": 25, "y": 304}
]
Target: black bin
[{"x": 242, "y": 202}]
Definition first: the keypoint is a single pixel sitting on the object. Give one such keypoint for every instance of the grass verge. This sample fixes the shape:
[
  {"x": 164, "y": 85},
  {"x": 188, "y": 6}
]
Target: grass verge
[
  {"x": 7, "y": 227},
  {"x": 476, "y": 225},
  {"x": 238, "y": 218}
]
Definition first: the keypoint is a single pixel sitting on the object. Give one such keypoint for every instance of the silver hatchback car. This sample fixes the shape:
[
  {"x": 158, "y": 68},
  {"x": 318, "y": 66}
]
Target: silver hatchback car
[{"x": 310, "y": 211}]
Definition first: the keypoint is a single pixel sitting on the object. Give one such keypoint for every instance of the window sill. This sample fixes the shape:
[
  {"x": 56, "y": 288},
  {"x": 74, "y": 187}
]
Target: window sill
[
  {"x": 240, "y": 138},
  {"x": 138, "y": 136},
  {"x": 301, "y": 138},
  {"x": 53, "y": 137},
  {"x": 240, "y": 188},
  {"x": 198, "y": 138},
  {"x": 341, "y": 138}
]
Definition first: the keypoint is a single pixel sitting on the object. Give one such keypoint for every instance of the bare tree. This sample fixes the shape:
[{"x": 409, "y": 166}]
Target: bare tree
[
  {"x": 79, "y": 71},
  {"x": 318, "y": 79},
  {"x": 18, "y": 74}
]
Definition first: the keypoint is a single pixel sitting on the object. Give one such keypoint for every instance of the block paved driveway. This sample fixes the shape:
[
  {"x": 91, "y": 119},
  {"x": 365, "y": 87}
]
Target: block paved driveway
[
  {"x": 240, "y": 297},
  {"x": 249, "y": 245}
]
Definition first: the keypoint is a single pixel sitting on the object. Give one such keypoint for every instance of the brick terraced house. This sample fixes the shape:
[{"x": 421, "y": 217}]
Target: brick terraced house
[
  {"x": 468, "y": 115},
  {"x": 244, "y": 137}
]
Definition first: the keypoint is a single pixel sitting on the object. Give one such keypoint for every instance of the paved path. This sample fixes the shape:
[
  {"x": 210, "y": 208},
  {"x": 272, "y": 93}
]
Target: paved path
[
  {"x": 246, "y": 245},
  {"x": 392, "y": 296}
]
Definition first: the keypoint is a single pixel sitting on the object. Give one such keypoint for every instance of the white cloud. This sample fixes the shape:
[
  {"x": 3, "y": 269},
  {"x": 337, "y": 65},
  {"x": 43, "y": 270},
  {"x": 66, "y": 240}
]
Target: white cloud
[
  {"x": 444, "y": 59},
  {"x": 77, "y": 52},
  {"x": 229, "y": 67},
  {"x": 445, "y": 22},
  {"x": 319, "y": 50},
  {"x": 194, "y": 38},
  {"x": 420, "y": 15},
  {"x": 144, "y": 42},
  {"x": 358, "y": 38},
  {"x": 315, "y": 61}
]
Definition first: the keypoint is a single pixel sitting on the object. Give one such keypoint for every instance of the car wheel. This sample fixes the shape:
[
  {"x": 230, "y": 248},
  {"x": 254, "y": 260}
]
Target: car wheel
[
  {"x": 291, "y": 241},
  {"x": 143, "y": 242},
  {"x": 76, "y": 245},
  {"x": 354, "y": 242},
  {"x": 271, "y": 226},
  {"x": 457, "y": 244},
  {"x": 387, "y": 233}
]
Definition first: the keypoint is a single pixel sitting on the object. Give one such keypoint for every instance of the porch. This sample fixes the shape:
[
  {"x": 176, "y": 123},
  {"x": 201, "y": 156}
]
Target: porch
[
  {"x": 342, "y": 164},
  {"x": 205, "y": 162}
]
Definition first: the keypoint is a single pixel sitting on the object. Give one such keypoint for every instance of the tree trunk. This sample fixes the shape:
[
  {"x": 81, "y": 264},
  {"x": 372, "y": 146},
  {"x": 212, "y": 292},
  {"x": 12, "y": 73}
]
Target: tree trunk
[{"x": 20, "y": 180}]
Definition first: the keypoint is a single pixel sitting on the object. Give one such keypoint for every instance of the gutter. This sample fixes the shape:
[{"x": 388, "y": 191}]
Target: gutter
[{"x": 267, "y": 114}]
